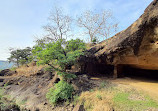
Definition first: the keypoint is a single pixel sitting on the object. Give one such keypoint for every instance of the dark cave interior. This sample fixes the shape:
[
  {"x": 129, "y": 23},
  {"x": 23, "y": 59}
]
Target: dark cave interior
[
  {"x": 104, "y": 70},
  {"x": 136, "y": 73}
]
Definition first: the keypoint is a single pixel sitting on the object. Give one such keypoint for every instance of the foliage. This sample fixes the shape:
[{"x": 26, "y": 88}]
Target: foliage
[
  {"x": 59, "y": 53},
  {"x": 61, "y": 91},
  {"x": 48, "y": 68},
  {"x": 76, "y": 44},
  {"x": 66, "y": 75},
  {"x": 20, "y": 56},
  {"x": 95, "y": 40}
]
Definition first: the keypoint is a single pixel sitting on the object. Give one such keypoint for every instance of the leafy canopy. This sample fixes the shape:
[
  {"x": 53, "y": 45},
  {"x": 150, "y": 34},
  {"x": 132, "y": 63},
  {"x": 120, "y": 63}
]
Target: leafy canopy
[{"x": 60, "y": 53}]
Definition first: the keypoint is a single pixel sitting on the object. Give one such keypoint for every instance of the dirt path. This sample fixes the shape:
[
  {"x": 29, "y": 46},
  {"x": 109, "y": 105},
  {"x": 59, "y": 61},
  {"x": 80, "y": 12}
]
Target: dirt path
[{"x": 148, "y": 86}]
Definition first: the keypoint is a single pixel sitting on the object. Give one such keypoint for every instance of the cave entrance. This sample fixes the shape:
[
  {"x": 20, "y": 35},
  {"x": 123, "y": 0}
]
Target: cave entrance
[
  {"x": 99, "y": 70},
  {"x": 122, "y": 70},
  {"x": 136, "y": 73}
]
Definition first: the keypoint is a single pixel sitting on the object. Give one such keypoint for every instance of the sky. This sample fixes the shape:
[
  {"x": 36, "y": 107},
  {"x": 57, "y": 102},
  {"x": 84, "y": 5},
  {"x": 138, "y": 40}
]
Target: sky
[{"x": 22, "y": 20}]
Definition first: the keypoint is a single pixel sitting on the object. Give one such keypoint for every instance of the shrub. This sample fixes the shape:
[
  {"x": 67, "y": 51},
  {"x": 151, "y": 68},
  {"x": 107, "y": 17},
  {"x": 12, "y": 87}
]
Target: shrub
[
  {"x": 48, "y": 68},
  {"x": 61, "y": 91},
  {"x": 66, "y": 75}
]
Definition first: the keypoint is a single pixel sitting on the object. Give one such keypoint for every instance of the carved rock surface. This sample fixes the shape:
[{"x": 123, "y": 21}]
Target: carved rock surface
[{"x": 137, "y": 46}]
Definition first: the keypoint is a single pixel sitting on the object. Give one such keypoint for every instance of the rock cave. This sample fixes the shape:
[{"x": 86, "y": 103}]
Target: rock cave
[{"x": 132, "y": 50}]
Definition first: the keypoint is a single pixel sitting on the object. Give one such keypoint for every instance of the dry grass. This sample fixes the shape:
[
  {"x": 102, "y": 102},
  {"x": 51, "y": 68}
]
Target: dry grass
[
  {"x": 97, "y": 100},
  {"x": 28, "y": 70},
  {"x": 89, "y": 46},
  {"x": 119, "y": 97}
]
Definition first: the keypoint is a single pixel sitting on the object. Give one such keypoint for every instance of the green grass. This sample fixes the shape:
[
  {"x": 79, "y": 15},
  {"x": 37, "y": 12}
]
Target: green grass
[
  {"x": 123, "y": 103},
  {"x": 75, "y": 99},
  {"x": 119, "y": 98}
]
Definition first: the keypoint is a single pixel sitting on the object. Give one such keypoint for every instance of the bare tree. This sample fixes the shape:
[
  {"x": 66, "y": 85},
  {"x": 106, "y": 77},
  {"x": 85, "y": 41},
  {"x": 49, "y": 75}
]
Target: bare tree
[
  {"x": 59, "y": 25},
  {"x": 97, "y": 24}
]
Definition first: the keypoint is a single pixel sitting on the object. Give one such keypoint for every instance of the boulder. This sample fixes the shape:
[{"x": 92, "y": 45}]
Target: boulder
[{"x": 7, "y": 72}]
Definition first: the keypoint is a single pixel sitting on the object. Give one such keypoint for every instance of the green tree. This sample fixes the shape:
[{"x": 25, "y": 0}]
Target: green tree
[
  {"x": 20, "y": 56},
  {"x": 60, "y": 54}
]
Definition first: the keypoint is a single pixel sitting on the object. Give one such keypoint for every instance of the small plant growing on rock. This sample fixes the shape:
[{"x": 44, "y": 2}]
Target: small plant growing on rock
[{"x": 61, "y": 91}]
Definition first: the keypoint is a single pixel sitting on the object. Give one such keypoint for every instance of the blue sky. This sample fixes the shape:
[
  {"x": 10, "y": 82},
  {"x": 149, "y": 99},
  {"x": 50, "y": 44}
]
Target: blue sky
[{"x": 22, "y": 20}]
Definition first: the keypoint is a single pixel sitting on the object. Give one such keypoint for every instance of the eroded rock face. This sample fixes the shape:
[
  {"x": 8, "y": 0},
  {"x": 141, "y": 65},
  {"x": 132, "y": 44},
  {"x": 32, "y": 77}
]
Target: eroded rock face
[{"x": 136, "y": 46}]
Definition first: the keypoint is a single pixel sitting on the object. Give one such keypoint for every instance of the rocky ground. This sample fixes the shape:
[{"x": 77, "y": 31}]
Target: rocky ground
[{"x": 29, "y": 92}]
